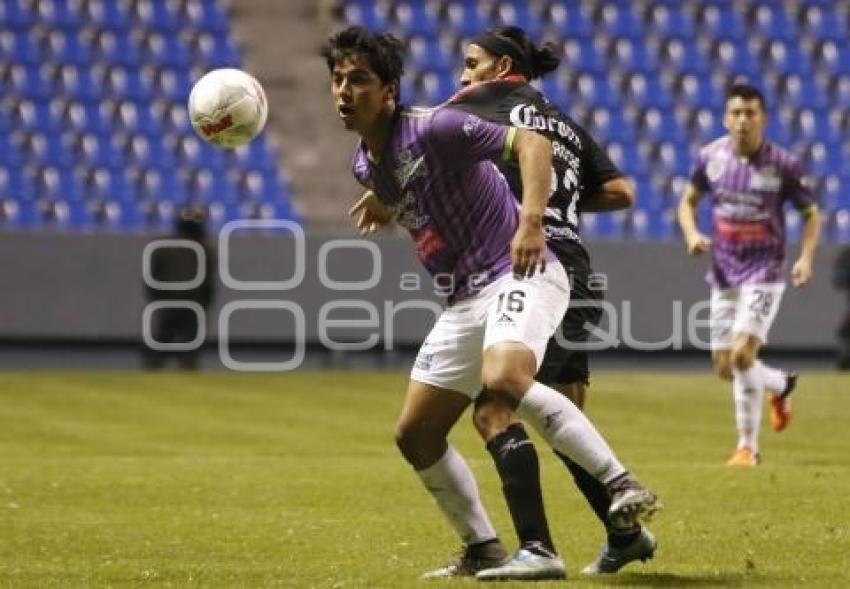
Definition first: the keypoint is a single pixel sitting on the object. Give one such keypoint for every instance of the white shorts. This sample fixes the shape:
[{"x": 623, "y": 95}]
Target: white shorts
[
  {"x": 508, "y": 310},
  {"x": 749, "y": 309}
]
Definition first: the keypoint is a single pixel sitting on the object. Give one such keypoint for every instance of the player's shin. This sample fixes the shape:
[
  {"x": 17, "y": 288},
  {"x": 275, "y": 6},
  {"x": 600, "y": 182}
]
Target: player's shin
[
  {"x": 518, "y": 466},
  {"x": 747, "y": 390},
  {"x": 569, "y": 431},
  {"x": 453, "y": 487}
]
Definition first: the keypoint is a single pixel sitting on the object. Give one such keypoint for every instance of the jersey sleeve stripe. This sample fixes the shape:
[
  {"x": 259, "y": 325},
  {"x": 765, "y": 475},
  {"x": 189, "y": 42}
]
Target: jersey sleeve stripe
[
  {"x": 809, "y": 210},
  {"x": 508, "y": 149}
]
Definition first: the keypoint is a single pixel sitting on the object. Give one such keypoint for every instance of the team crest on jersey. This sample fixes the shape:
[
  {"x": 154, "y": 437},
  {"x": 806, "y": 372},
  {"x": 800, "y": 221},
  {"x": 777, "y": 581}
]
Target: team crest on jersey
[{"x": 470, "y": 125}]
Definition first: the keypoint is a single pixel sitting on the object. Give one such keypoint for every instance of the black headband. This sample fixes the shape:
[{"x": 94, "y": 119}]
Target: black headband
[{"x": 499, "y": 46}]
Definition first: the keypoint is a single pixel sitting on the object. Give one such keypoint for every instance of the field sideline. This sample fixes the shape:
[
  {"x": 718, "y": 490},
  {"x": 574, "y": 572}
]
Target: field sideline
[{"x": 226, "y": 480}]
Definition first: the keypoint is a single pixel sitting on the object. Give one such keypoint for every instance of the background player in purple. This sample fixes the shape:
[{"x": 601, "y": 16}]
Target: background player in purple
[
  {"x": 432, "y": 170},
  {"x": 750, "y": 179}
]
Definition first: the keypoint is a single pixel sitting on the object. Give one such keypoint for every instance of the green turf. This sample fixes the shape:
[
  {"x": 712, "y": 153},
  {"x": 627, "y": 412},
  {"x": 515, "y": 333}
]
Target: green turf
[{"x": 223, "y": 480}]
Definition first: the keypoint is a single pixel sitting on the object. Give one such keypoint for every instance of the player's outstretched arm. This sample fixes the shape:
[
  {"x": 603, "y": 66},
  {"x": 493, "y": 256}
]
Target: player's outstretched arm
[
  {"x": 614, "y": 195},
  {"x": 528, "y": 247},
  {"x": 697, "y": 243},
  {"x": 373, "y": 214},
  {"x": 801, "y": 271}
]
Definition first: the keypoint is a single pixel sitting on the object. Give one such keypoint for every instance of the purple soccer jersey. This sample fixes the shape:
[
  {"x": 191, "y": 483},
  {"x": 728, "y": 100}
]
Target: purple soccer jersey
[
  {"x": 436, "y": 174},
  {"x": 748, "y": 219}
]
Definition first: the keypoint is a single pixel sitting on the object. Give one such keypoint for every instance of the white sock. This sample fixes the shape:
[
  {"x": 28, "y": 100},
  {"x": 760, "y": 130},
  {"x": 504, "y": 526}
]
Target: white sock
[
  {"x": 453, "y": 487},
  {"x": 747, "y": 391},
  {"x": 773, "y": 378},
  {"x": 569, "y": 431}
]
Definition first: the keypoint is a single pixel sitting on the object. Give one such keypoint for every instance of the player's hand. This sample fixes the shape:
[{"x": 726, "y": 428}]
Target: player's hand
[
  {"x": 528, "y": 249},
  {"x": 698, "y": 244},
  {"x": 801, "y": 272},
  {"x": 373, "y": 214}
]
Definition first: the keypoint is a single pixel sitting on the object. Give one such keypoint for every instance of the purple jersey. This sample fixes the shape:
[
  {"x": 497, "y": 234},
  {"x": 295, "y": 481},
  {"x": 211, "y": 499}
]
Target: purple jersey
[
  {"x": 436, "y": 173},
  {"x": 748, "y": 220}
]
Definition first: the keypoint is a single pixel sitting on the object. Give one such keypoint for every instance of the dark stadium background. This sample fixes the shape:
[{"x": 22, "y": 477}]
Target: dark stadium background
[{"x": 96, "y": 155}]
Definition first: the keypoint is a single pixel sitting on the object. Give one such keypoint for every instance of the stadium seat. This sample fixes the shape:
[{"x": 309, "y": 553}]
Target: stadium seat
[
  {"x": 769, "y": 20},
  {"x": 569, "y": 20},
  {"x": 19, "y": 214},
  {"x": 652, "y": 225},
  {"x": 667, "y": 21},
  {"x": 416, "y": 17},
  {"x": 603, "y": 225}
]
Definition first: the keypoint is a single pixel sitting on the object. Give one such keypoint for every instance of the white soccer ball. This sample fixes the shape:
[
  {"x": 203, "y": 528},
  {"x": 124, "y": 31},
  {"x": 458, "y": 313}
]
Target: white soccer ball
[{"x": 228, "y": 107}]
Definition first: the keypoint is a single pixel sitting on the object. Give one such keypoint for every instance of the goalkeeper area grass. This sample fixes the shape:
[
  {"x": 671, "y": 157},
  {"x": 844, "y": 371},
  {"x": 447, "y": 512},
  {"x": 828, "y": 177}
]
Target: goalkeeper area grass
[{"x": 293, "y": 480}]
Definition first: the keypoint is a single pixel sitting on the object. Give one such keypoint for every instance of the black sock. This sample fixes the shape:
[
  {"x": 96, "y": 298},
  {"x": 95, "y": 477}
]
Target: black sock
[
  {"x": 518, "y": 467},
  {"x": 594, "y": 491},
  {"x": 599, "y": 500}
]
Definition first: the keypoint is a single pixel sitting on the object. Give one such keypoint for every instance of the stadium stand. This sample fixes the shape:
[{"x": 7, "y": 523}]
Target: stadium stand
[
  {"x": 647, "y": 78},
  {"x": 94, "y": 133}
]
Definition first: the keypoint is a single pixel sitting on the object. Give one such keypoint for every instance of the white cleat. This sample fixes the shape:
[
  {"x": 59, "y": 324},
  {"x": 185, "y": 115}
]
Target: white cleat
[{"x": 526, "y": 565}]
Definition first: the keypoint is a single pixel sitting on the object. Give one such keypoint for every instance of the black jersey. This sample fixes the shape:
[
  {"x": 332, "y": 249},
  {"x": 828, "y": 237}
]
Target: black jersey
[{"x": 579, "y": 165}]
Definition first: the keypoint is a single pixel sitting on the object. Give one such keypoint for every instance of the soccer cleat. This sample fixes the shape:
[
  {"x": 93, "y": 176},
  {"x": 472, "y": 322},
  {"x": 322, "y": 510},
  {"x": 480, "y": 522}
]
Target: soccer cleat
[
  {"x": 612, "y": 559},
  {"x": 631, "y": 503},
  {"x": 780, "y": 404},
  {"x": 526, "y": 565},
  {"x": 473, "y": 558},
  {"x": 744, "y": 457}
]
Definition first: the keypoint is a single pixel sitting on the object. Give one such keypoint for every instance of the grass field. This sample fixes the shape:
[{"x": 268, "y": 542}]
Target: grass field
[{"x": 223, "y": 480}]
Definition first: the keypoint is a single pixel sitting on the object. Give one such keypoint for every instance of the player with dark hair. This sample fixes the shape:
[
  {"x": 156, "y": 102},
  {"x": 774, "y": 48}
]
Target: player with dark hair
[
  {"x": 750, "y": 179},
  {"x": 498, "y": 66},
  {"x": 431, "y": 169}
]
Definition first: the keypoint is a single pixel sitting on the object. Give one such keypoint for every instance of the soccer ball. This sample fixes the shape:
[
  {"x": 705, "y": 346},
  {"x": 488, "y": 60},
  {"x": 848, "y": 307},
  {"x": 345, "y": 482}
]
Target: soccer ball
[{"x": 228, "y": 107}]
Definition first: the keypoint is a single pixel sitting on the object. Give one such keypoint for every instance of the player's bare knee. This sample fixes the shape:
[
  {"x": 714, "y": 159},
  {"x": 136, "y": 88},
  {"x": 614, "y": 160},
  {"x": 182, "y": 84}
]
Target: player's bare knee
[
  {"x": 491, "y": 415},
  {"x": 414, "y": 444},
  {"x": 742, "y": 359},
  {"x": 723, "y": 369},
  {"x": 506, "y": 380}
]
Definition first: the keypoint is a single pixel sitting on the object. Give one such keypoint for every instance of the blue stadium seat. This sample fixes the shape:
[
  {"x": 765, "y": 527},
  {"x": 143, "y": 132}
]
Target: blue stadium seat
[
  {"x": 569, "y": 20},
  {"x": 426, "y": 53},
  {"x": 19, "y": 215},
  {"x": 23, "y": 46},
  {"x": 16, "y": 15},
  {"x": 631, "y": 55},
  {"x": 416, "y": 18},
  {"x": 121, "y": 48},
  {"x": 603, "y": 225},
  {"x": 617, "y": 20},
  {"x": 832, "y": 193},
  {"x": 519, "y": 13},
  {"x": 582, "y": 56},
  {"x": 625, "y": 155},
  {"x": 108, "y": 14},
  {"x": 719, "y": 20},
  {"x": 785, "y": 57},
  {"x": 658, "y": 124},
  {"x": 667, "y": 21},
  {"x": 734, "y": 58},
  {"x": 465, "y": 18},
  {"x": 770, "y": 20},
  {"x": 60, "y": 14},
  {"x": 173, "y": 84},
  {"x": 215, "y": 51},
  {"x": 210, "y": 15},
  {"x": 683, "y": 55},
  {"x": 78, "y": 83},
  {"x": 821, "y": 22},
  {"x": 653, "y": 225},
  {"x": 366, "y": 13}
]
